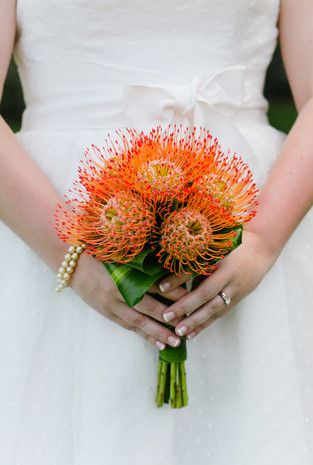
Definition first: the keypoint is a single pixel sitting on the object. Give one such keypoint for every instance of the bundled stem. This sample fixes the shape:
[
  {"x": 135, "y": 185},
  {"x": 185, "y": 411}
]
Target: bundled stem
[{"x": 172, "y": 386}]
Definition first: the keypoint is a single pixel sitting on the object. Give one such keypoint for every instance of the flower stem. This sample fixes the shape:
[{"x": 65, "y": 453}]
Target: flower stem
[
  {"x": 178, "y": 390},
  {"x": 161, "y": 382},
  {"x": 173, "y": 386},
  {"x": 184, "y": 384},
  {"x": 158, "y": 387}
]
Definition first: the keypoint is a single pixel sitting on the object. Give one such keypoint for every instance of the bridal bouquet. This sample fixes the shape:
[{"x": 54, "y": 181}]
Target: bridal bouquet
[{"x": 150, "y": 204}]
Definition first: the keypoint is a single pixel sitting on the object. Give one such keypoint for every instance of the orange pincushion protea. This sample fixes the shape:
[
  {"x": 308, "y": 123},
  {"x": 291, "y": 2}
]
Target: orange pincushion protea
[
  {"x": 165, "y": 165},
  {"x": 194, "y": 238},
  {"x": 229, "y": 185},
  {"x": 114, "y": 229},
  {"x": 161, "y": 166}
]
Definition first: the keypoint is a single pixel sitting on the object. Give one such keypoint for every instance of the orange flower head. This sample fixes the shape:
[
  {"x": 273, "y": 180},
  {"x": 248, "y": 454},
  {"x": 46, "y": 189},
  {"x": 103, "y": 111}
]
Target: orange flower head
[
  {"x": 185, "y": 234},
  {"x": 114, "y": 230},
  {"x": 163, "y": 165},
  {"x": 194, "y": 238},
  {"x": 160, "y": 165},
  {"x": 230, "y": 186}
]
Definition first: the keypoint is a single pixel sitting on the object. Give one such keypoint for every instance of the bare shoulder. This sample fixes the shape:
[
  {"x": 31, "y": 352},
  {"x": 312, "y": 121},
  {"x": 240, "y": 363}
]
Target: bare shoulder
[
  {"x": 296, "y": 39},
  {"x": 7, "y": 36}
]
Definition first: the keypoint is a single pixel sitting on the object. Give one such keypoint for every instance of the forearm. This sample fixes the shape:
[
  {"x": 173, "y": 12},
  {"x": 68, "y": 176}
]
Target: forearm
[
  {"x": 288, "y": 193},
  {"x": 28, "y": 200}
]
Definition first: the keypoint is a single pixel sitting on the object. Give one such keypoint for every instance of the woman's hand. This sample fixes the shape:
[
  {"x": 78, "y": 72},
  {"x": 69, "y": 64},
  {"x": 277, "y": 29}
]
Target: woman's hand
[
  {"x": 93, "y": 283},
  {"x": 238, "y": 274}
]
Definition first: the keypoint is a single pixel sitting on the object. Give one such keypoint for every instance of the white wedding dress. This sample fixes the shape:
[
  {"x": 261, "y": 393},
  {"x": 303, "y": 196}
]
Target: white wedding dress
[{"x": 76, "y": 389}]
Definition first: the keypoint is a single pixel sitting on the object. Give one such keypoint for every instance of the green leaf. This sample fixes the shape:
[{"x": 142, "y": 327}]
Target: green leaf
[
  {"x": 146, "y": 261},
  {"x": 132, "y": 283},
  {"x": 174, "y": 354}
]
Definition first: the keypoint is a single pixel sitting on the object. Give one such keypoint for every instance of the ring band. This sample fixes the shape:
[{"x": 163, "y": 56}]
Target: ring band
[{"x": 227, "y": 300}]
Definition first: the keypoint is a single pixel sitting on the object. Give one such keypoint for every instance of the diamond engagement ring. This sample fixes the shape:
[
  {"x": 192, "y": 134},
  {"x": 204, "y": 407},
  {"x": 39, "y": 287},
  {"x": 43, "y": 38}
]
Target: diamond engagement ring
[{"x": 227, "y": 300}]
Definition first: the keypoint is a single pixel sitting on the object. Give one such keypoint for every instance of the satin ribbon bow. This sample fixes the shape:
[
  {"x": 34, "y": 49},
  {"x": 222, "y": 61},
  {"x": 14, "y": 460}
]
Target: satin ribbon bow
[{"x": 201, "y": 101}]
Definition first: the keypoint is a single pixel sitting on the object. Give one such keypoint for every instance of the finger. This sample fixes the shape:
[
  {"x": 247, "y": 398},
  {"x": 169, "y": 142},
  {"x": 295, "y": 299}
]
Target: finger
[
  {"x": 154, "y": 342},
  {"x": 154, "y": 289},
  {"x": 193, "y": 333},
  {"x": 190, "y": 334},
  {"x": 205, "y": 292},
  {"x": 173, "y": 281},
  {"x": 160, "y": 345},
  {"x": 153, "y": 308},
  {"x": 213, "y": 309},
  {"x": 148, "y": 325},
  {"x": 174, "y": 294}
]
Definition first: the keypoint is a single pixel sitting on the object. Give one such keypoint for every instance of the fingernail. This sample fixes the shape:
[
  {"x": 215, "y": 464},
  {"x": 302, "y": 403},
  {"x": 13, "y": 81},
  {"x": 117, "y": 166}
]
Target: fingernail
[
  {"x": 191, "y": 335},
  {"x": 181, "y": 331},
  {"x": 164, "y": 286},
  {"x": 173, "y": 341},
  {"x": 160, "y": 345},
  {"x": 168, "y": 316}
]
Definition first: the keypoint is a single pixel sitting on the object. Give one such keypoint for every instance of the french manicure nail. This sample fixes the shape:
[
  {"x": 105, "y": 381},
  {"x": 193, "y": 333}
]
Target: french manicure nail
[
  {"x": 160, "y": 345},
  {"x": 173, "y": 341},
  {"x": 168, "y": 316},
  {"x": 164, "y": 286},
  {"x": 191, "y": 335},
  {"x": 181, "y": 331}
]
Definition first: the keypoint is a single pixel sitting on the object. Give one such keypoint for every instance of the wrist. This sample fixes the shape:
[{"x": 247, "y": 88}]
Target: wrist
[
  {"x": 68, "y": 265},
  {"x": 263, "y": 246}
]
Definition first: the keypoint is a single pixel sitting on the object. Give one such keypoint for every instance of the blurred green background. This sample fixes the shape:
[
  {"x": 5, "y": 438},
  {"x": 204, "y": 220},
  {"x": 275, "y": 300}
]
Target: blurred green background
[{"x": 282, "y": 112}]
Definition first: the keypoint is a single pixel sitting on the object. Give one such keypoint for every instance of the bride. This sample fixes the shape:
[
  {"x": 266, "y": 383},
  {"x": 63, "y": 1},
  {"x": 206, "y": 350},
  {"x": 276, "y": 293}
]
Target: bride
[{"x": 76, "y": 388}]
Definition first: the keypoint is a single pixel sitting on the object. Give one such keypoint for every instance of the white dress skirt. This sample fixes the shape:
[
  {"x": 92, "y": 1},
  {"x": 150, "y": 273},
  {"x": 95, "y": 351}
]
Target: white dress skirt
[{"x": 75, "y": 388}]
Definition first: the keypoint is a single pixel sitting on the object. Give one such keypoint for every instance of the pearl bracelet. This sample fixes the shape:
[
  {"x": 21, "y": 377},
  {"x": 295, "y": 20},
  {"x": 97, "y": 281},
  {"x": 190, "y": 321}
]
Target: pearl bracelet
[{"x": 68, "y": 265}]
